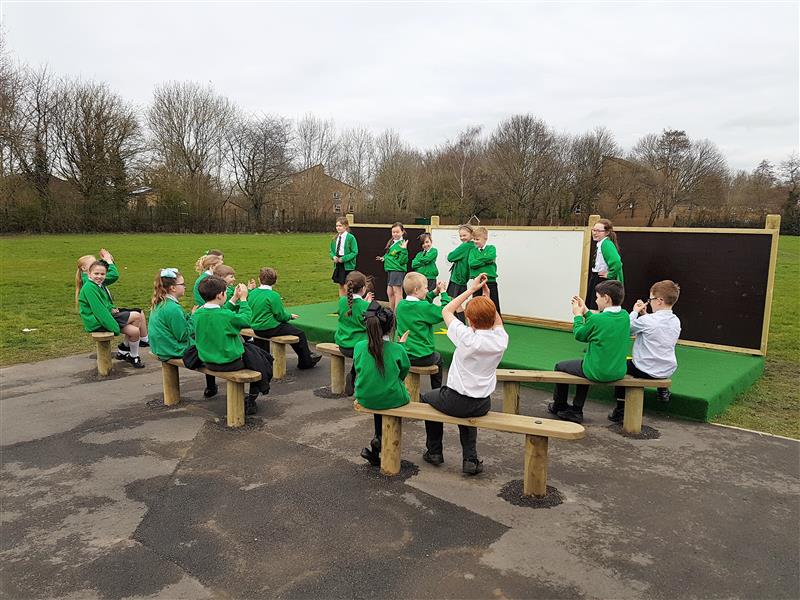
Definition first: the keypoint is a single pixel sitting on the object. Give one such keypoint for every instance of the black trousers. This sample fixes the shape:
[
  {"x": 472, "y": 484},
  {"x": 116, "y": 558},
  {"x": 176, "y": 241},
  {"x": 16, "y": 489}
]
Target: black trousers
[
  {"x": 591, "y": 298},
  {"x": 431, "y": 284},
  {"x": 454, "y": 404},
  {"x": 427, "y": 361},
  {"x": 300, "y": 348},
  {"x": 454, "y": 290},
  {"x": 494, "y": 295},
  {"x": 634, "y": 371},
  {"x": 348, "y": 352},
  {"x": 254, "y": 358},
  {"x": 561, "y": 391}
]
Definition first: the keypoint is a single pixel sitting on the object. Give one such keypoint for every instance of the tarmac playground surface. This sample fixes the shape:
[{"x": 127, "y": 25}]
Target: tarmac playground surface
[{"x": 106, "y": 493}]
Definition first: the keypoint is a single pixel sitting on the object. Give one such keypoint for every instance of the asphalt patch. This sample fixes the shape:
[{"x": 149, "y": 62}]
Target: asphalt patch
[
  {"x": 512, "y": 493},
  {"x": 250, "y": 424},
  {"x": 407, "y": 469},
  {"x": 647, "y": 433},
  {"x": 325, "y": 392}
]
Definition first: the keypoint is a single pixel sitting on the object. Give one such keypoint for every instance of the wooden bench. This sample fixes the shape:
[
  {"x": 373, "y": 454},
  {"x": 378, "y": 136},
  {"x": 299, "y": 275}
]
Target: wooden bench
[
  {"x": 412, "y": 379},
  {"x": 537, "y": 434},
  {"x": 277, "y": 347},
  {"x": 235, "y": 379},
  {"x": 337, "y": 365},
  {"x": 634, "y": 397},
  {"x": 102, "y": 340}
]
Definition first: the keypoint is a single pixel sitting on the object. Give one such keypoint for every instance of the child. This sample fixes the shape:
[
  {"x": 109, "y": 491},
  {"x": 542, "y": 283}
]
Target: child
[
  {"x": 343, "y": 253},
  {"x": 98, "y": 313},
  {"x": 228, "y": 275},
  {"x": 459, "y": 269},
  {"x": 425, "y": 262},
  {"x": 483, "y": 259},
  {"x": 607, "y": 333},
  {"x": 351, "y": 329},
  {"x": 205, "y": 267},
  {"x": 654, "y": 344},
  {"x": 607, "y": 262},
  {"x": 395, "y": 263},
  {"x": 417, "y": 315},
  {"x": 270, "y": 318},
  {"x": 219, "y": 344},
  {"x": 382, "y": 366},
  {"x": 471, "y": 378},
  {"x": 170, "y": 328}
]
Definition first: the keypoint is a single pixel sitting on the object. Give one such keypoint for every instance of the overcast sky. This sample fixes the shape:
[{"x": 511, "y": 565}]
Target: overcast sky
[{"x": 723, "y": 71}]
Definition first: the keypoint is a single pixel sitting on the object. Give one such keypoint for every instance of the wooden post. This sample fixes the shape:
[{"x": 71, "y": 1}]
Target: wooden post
[
  {"x": 391, "y": 443},
  {"x": 412, "y": 385},
  {"x": 350, "y": 218},
  {"x": 235, "y": 404},
  {"x": 634, "y": 405},
  {"x": 337, "y": 374},
  {"x": 434, "y": 222},
  {"x": 279, "y": 365},
  {"x": 587, "y": 252},
  {"x": 535, "y": 471},
  {"x": 511, "y": 397},
  {"x": 773, "y": 224},
  {"x": 104, "y": 357},
  {"x": 172, "y": 384}
]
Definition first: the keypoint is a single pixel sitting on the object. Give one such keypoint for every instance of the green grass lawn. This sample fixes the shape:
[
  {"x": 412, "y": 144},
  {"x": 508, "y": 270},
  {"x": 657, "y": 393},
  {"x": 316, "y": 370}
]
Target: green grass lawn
[{"x": 37, "y": 292}]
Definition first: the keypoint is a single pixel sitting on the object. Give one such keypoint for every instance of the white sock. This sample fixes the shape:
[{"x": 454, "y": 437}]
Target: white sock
[
  {"x": 143, "y": 338},
  {"x": 134, "y": 347},
  {"x": 125, "y": 342}
]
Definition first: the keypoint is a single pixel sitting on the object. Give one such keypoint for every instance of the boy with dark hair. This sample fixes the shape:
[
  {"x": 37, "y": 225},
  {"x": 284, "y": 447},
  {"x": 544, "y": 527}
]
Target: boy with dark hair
[
  {"x": 654, "y": 344},
  {"x": 607, "y": 333}
]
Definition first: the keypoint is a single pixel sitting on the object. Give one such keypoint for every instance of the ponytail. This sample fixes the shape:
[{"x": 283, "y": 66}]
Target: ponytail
[
  {"x": 610, "y": 231},
  {"x": 355, "y": 281},
  {"x": 379, "y": 322},
  {"x": 164, "y": 280},
  {"x": 85, "y": 260},
  {"x": 206, "y": 262}
]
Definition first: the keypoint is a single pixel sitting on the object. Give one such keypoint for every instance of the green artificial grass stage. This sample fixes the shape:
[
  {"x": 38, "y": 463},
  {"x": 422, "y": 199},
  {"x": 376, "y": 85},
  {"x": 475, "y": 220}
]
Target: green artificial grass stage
[{"x": 706, "y": 382}]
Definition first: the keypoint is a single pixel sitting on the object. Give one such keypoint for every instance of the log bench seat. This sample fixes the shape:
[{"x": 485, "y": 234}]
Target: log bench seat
[
  {"x": 634, "y": 396},
  {"x": 537, "y": 433},
  {"x": 102, "y": 340},
  {"x": 337, "y": 365},
  {"x": 412, "y": 379},
  {"x": 277, "y": 347}
]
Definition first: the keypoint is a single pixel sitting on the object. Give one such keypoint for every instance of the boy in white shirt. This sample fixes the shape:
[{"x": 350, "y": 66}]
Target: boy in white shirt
[
  {"x": 471, "y": 378},
  {"x": 654, "y": 344}
]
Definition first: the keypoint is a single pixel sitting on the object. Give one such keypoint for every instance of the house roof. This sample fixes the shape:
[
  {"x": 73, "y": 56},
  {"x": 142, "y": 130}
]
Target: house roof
[{"x": 322, "y": 167}]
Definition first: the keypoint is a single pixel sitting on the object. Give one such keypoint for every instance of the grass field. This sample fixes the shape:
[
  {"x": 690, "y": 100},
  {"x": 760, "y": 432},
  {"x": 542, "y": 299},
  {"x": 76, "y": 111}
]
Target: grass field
[{"x": 37, "y": 292}]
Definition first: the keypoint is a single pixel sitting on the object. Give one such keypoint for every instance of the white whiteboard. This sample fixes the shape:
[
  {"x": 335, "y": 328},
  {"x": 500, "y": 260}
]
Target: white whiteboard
[{"x": 537, "y": 271}]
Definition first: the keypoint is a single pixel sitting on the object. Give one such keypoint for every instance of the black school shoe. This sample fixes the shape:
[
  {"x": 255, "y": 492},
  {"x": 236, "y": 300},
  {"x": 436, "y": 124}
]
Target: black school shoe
[
  {"x": 570, "y": 414},
  {"x": 617, "y": 415},
  {"x": 434, "y": 459},
  {"x": 554, "y": 410},
  {"x": 250, "y": 406},
  {"x": 210, "y": 392},
  {"x": 664, "y": 396},
  {"x": 315, "y": 358},
  {"x": 136, "y": 361},
  {"x": 472, "y": 466}
]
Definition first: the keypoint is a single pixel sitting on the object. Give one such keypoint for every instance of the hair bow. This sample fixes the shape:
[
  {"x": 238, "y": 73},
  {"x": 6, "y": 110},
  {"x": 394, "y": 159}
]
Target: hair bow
[
  {"x": 169, "y": 272},
  {"x": 384, "y": 315}
]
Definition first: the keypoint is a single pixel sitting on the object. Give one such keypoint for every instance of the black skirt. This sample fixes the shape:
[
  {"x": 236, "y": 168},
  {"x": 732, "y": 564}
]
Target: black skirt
[{"x": 339, "y": 274}]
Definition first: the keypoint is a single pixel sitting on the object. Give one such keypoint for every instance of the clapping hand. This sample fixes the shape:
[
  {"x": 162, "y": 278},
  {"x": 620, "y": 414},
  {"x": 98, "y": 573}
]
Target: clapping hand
[
  {"x": 404, "y": 244},
  {"x": 404, "y": 337},
  {"x": 640, "y": 307},
  {"x": 106, "y": 255},
  {"x": 479, "y": 282},
  {"x": 578, "y": 306},
  {"x": 369, "y": 297}
]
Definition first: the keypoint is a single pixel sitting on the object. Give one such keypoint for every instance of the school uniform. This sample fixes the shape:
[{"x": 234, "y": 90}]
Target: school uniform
[
  {"x": 378, "y": 390},
  {"x": 198, "y": 299},
  {"x": 471, "y": 380},
  {"x": 459, "y": 269},
  {"x": 95, "y": 305},
  {"x": 345, "y": 247},
  {"x": 270, "y": 318},
  {"x": 424, "y": 263},
  {"x": 395, "y": 263},
  {"x": 112, "y": 274},
  {"x": 606, "y": 260},
  {"x": 484, "y": 260},
  {"x": 351, "y": 328},
  {"x": 170, "y": 330},
  {"x": 418, "y": 318}
]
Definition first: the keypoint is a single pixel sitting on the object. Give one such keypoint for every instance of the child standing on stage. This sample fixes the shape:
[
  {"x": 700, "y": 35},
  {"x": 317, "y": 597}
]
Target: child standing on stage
[
  {"x": 98, "y": 312},
  {"x": 382, "y": 365},
  {"x": 654, "y": 344},
  {"x": 483, "y": 259},
  {"x": 343, "y": 253},
  {"x": 270, "y": 318},
  {"x": 351, "y": 329},
  {"x": 395, "y": 263},
  {"x": 425, "y": 262},
  {"x": 417, "y": 315},
  {"x": 459, "y": 269},
  {"x": 205, "y": 267},
  {"x": 607, "y": 333},
  {"x": 607, "y": 262}
]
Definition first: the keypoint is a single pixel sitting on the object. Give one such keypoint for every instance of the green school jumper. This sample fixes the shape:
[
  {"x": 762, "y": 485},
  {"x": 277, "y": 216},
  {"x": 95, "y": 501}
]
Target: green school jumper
[
  {"x": 350, "y": 251},
  {"x": 396, "y": 258},
  {"x": 613, "y": 260},
  {"x": 351, "y": 329},
  {"x": 376, "y": 390},
  {"x": 424, "y": 263},
  {"x": 267, "y": 309},
  {"x": 216, "y": 332},
  {"x": 170, "y": 330},
  {"x": 418, "y": 318},
  {"x": 94, "y": 306},
  {"x": 483, "y": 261},
  {"x": 459, "y": 272},
  {"x": 198, "y": 299},
  {"x": 112, "y": 275},
  {"x": 608, "y": 335}
]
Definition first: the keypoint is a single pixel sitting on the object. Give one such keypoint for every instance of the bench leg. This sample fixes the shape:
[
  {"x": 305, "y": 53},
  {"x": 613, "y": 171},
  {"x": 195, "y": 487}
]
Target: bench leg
[
  {"x": 235, "y": 404},
  {"x": 412, "y": 385},
  {"x": 634, "y": 405},
  {"x": 279, "y": 366},
  {"x": 337, "y": 374},
  {"x": 391, "y": 442},
  {"x": 511, "y": 397},
  {"x": 103, "y": 357},
  {"x": 172, "y": 384},
  {"x": 535, "y": 477}
]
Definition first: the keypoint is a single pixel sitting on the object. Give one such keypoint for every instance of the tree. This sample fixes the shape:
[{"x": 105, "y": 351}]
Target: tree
[
  {"x": 586, "y": 159},
  {"x": 315, "y": 144}
]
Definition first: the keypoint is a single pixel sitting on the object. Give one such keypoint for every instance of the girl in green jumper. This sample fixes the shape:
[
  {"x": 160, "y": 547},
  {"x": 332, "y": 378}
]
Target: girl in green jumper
[
  {"x": 343, "y": 253},
  {"x": 395, "y": 263},
  {"x": 351, "y": 328},
  {"x": 425, "y": 262},
  {"x": 459, "y": 269},
  {"x": 205, "y": 267},
  {"x": 382, "y": 366},
  {"x": 607, "y": 262}
]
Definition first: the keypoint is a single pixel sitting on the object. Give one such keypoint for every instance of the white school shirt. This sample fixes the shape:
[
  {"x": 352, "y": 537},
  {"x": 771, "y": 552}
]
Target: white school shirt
[
  {"x": 654, "y": 346},
  {"x": 600, "y": 265},
  {"x": 265, "y": 287},
  {"x": 210, "y": 305},
  {"x": 478, "y": 352},
  {"x": 341, "y": 242}
]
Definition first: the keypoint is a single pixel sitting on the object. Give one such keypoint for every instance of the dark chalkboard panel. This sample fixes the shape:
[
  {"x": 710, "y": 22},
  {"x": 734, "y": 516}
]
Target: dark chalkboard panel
[
  {"x": 723, "y": 279},
  {"x": 372, "y": 243}
]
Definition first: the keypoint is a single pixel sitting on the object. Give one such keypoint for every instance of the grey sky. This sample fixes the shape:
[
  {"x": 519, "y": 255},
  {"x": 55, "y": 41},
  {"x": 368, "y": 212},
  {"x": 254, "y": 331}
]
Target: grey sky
[{"x": 723, "y": 71}]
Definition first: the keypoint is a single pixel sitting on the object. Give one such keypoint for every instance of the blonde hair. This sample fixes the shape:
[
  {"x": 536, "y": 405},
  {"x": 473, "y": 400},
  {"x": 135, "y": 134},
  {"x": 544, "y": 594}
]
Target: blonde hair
[
  {"x": 480, "y": 231},
  {"x": 667, "y": 290},
  {"x": 468, "y": 228},
  {"x": 84, "y": 262},
  {"x": 161, "y": 287},
  {"x": 207, "y": 262},
  {"x": 223, "y": 271},
  {"x": 414, "y": 280}
]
